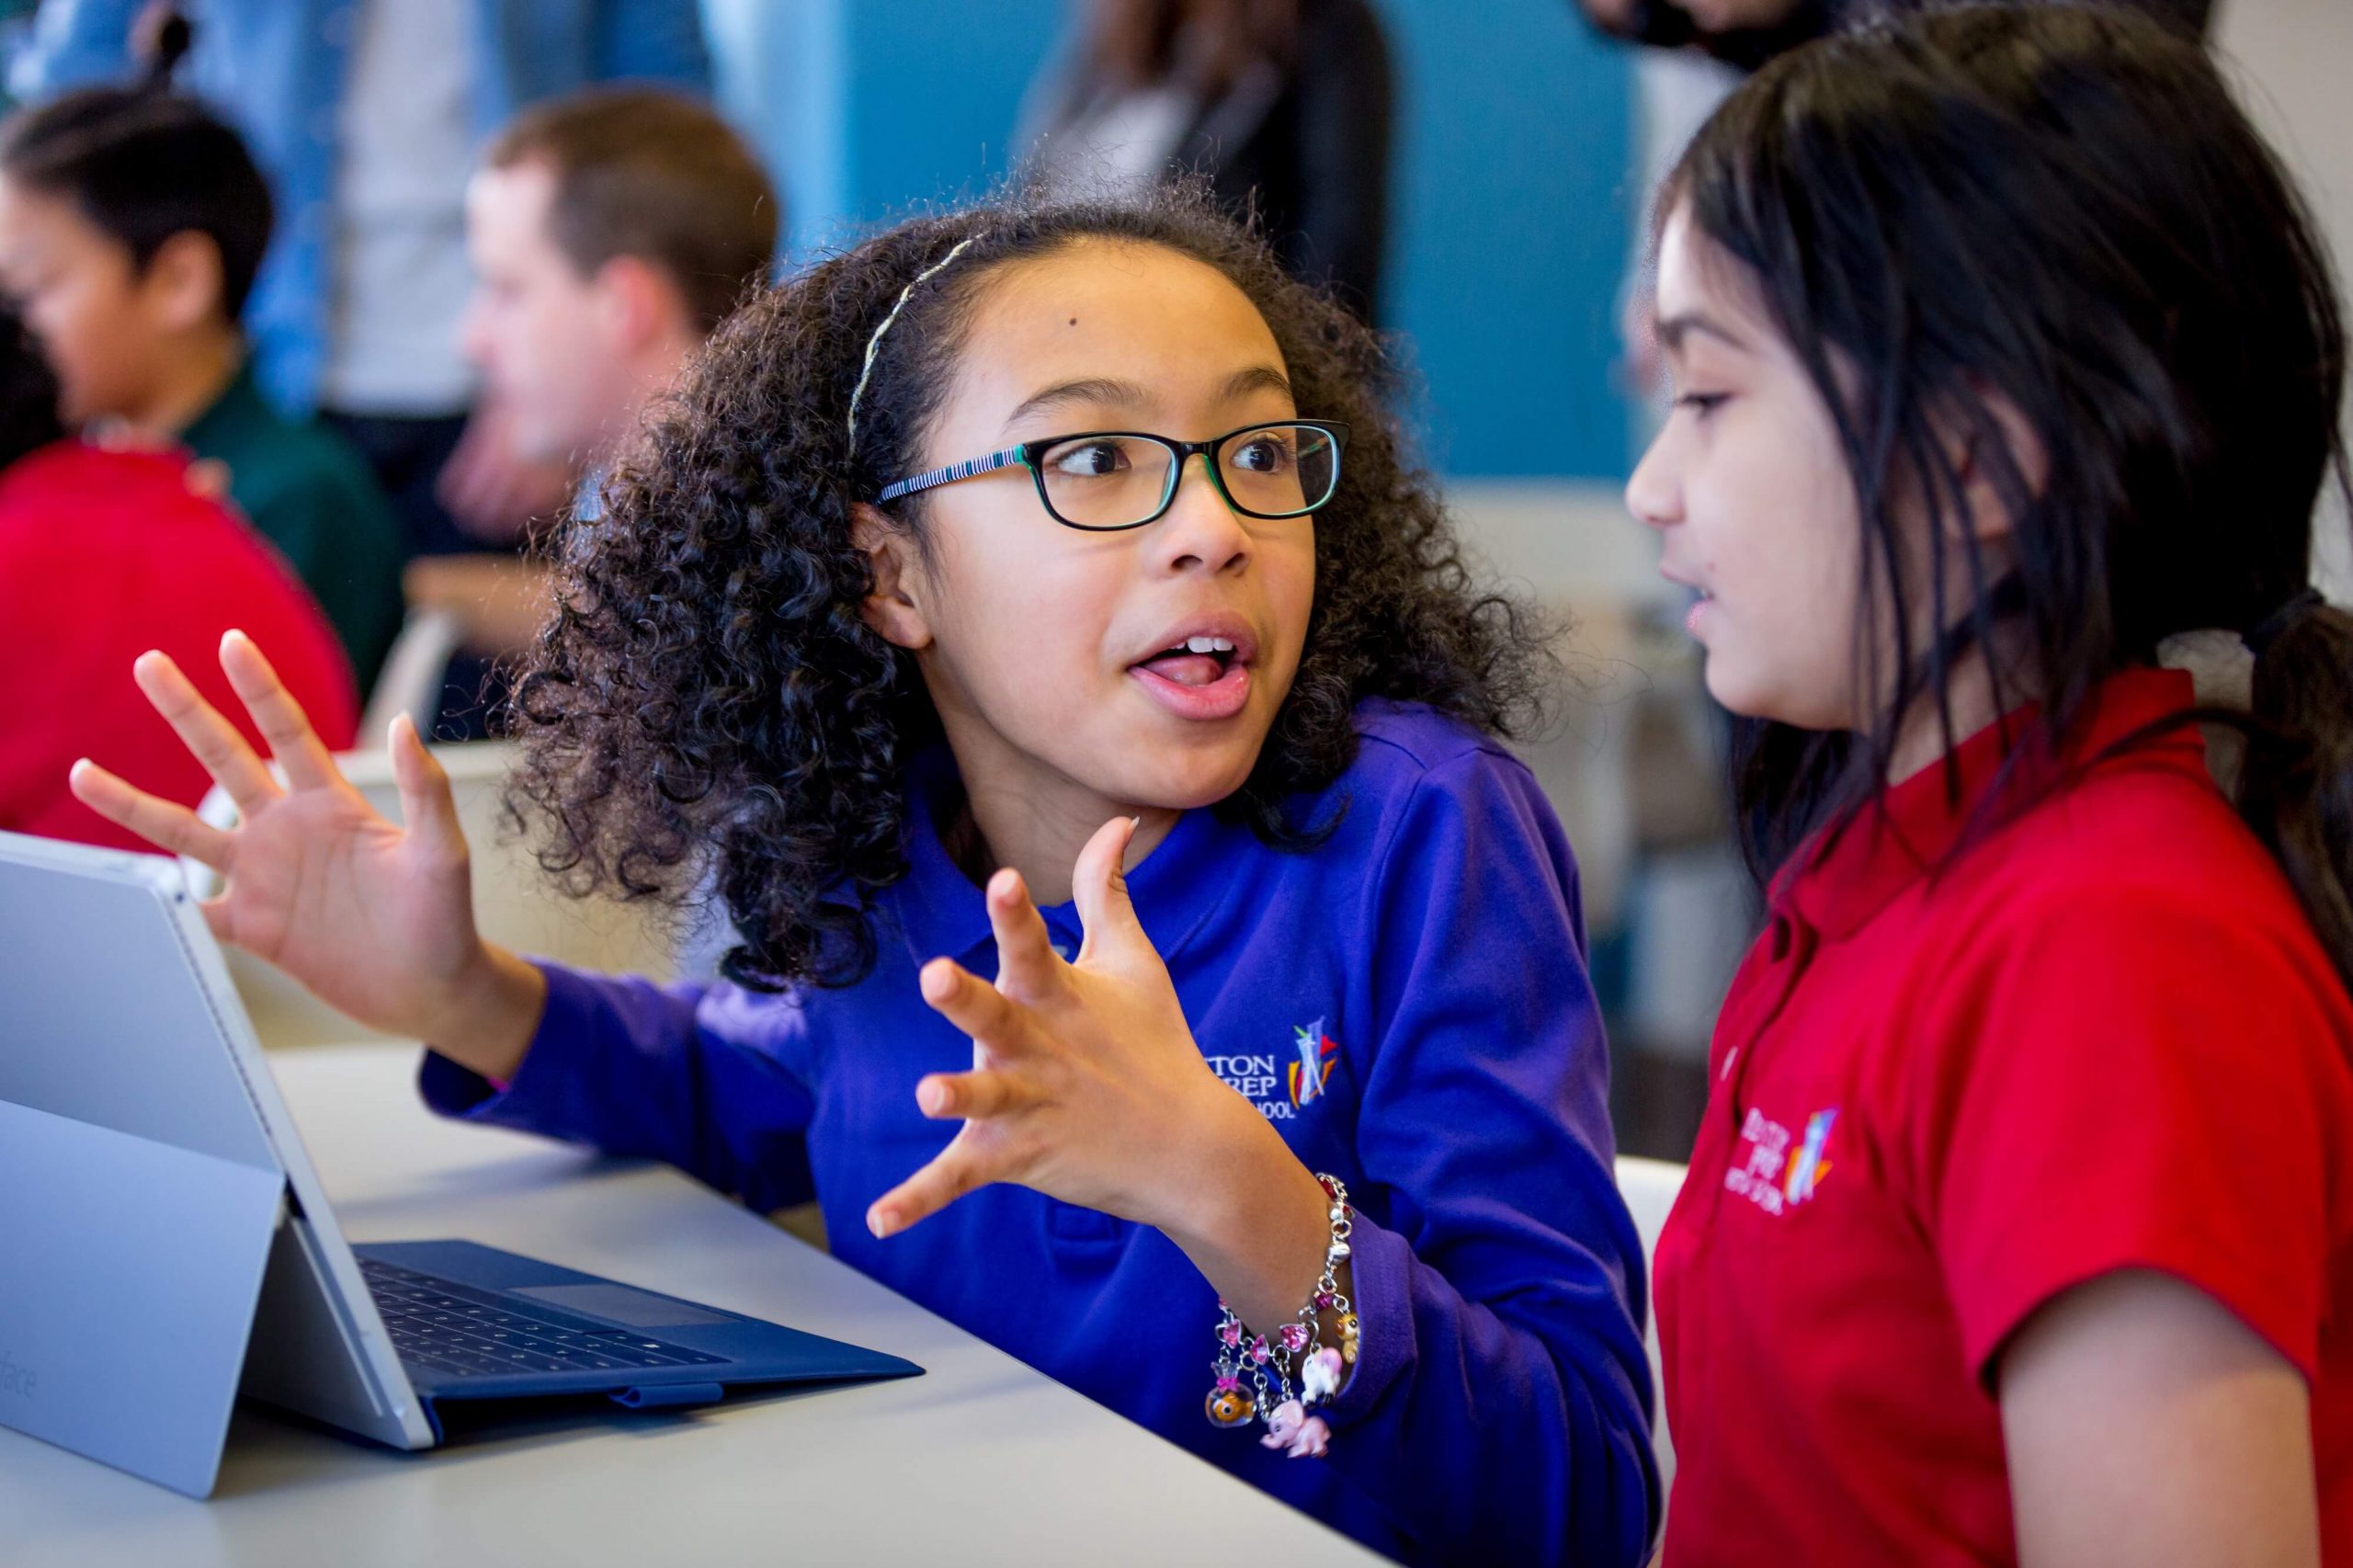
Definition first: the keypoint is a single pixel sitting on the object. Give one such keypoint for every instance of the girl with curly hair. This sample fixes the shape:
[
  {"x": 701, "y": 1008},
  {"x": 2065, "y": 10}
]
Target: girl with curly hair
[{"x": 1287, "y": 1106}]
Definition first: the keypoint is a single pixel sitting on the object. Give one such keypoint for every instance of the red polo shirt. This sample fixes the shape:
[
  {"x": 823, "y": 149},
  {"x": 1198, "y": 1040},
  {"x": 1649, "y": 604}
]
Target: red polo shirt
[
  {"x": 104, "y": 555},
  {"x": 2102, "y": 1037}
]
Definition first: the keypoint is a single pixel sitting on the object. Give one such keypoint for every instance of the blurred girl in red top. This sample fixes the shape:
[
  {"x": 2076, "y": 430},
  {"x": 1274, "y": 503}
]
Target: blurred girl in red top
[
  {"x": 2020, "y": 1228},
  {"x": 106, "y": 554}
]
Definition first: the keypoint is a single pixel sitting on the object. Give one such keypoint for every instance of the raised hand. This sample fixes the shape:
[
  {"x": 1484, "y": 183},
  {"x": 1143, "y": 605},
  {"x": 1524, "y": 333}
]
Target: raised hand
[
  {"x": 1087, "y": 1085},
  {"x": 375, "y": 917}
]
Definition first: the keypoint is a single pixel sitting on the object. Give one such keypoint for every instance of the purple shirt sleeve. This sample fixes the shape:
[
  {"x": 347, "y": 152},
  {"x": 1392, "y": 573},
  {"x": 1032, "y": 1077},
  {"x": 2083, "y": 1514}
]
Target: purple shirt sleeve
[
  {"x": 1501, "y": 1398},
  {"x": 689, "y": 1074}
]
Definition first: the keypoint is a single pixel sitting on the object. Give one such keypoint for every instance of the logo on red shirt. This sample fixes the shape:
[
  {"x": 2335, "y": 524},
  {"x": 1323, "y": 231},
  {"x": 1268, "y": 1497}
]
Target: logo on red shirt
[{"x": 1769, "y": 1174}]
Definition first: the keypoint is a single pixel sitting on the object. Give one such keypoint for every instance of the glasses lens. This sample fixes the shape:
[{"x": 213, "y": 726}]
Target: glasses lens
[
  {"x": 1279, "y": 471},
  {"x": 1104, "y": 481}
]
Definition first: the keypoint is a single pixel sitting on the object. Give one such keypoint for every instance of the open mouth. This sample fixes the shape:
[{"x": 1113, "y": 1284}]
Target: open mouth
[
  {"x": 1697, "y": 615},
  {"x": 1204, "y": 676},
  {"x": 1196, "y": 662}
]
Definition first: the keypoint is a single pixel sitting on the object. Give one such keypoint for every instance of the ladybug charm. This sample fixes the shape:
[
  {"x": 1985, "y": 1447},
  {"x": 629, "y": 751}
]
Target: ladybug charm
[{"x": 1229, "y": 1405}]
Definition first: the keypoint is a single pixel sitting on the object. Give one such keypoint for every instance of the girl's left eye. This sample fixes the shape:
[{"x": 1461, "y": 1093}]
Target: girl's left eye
[
  {"x": 1262, "y": 454},
  {"x": 1702, "y": 403}
]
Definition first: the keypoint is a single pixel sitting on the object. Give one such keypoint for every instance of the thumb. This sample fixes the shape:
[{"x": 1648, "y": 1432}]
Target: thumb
[
  {"x": 427, "y": 809},
  {"x": 1099, "y": 888}
]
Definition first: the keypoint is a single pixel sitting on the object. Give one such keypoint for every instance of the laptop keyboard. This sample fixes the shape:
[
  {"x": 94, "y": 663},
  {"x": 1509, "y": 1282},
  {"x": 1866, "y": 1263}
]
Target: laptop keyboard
[{"x": 457, "y": 1330}]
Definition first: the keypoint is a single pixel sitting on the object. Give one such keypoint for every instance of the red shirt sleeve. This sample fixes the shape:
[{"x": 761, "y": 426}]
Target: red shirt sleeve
[{"x": 2149, "y": 1080}]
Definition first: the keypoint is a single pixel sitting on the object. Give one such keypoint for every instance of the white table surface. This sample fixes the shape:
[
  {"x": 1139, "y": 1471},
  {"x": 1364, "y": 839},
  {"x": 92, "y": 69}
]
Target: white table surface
[{"x": 979, "y": 1461}]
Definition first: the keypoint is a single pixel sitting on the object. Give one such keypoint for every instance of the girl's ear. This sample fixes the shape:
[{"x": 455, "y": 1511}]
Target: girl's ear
[
  {"x": 1991, "y": 512},
  {"x": 896, "y": 606}
]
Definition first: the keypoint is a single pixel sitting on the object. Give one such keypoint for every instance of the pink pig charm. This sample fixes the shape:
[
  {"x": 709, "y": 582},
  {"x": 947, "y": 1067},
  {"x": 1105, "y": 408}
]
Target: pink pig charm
[
  {"x": 1283, "y": 1425},
  {"x": 1290, "y": 1427}
]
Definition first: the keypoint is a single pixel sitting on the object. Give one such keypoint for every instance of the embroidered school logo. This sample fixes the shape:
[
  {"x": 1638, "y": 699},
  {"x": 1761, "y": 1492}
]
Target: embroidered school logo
[
  {"x": 1808, "y": 1169},
  {"x": 1309, "y": 1074},
  {"x": 1767, "y": 1175},
  {"x": 1277, "y": 1087}
]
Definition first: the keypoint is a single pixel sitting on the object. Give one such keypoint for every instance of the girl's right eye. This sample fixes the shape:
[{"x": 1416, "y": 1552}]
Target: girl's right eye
[{"x": 1089, "y": 459}]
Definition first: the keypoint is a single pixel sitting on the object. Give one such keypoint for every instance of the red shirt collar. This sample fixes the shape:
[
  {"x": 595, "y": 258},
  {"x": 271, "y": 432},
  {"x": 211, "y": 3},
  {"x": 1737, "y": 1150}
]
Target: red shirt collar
[{"x": 1847, "y": 874}]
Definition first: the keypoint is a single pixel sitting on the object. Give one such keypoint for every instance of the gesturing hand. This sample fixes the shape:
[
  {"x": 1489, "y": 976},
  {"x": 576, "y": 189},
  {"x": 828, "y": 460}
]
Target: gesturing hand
[
  {"x": 376, "y": 917},
  {"x": 1086, "y": 1085}
]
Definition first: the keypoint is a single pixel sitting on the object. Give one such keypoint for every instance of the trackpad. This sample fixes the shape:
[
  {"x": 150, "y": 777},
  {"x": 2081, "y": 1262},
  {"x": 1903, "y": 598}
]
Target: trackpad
[{"x": 618, "y": 1303}]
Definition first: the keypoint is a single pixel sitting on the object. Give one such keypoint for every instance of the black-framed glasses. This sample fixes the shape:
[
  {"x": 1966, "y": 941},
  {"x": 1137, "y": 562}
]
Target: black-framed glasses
[{"x": 1103, "y": 481}]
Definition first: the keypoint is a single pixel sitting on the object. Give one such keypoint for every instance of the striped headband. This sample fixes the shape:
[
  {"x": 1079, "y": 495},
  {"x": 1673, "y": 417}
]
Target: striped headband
[{"x": 874, "y": 342}]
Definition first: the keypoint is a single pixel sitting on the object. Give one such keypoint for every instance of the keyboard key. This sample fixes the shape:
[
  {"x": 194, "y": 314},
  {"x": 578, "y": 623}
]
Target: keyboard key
[{"x": 458, "y": 1331}]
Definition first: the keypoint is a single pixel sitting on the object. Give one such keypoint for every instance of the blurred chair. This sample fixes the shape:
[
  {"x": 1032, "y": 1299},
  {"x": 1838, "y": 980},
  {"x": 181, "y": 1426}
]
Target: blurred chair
[
  {"x": 515, "y": 904},
  {"x": 411, "y": 680},
  {"x": 1648, "y": 1187}
]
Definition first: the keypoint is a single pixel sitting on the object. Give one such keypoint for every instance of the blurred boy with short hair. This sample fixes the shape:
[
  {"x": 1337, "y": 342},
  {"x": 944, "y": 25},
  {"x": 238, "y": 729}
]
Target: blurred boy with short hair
[{"x": 131, "y": 225}]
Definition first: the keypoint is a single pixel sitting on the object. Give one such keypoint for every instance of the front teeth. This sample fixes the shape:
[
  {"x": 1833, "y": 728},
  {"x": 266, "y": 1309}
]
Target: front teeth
[{"x": 1208, "y": 645}]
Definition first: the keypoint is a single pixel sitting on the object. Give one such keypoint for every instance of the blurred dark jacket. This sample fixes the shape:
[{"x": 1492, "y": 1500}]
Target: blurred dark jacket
[
  {"x": 1304, "y": 145},
  {"x": 1665, "y": 25}
]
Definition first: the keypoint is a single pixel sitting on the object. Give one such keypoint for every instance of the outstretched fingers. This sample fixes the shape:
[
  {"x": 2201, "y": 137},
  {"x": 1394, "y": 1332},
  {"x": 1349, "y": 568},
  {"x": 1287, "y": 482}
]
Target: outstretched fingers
[
  {"x": 1099, "y": 888},
  {"x": 210, "y": 737},
  {"x": 427, "y": 808},
  {"x": 1027, "y": 965},
  {"x": 164, "y": 823},
  {"x": 958, "y": 1169},
  {"x": 307, "y": 763},
  {"x": 997, "y": 1024},
  {"x": 976, "y": 1095}
]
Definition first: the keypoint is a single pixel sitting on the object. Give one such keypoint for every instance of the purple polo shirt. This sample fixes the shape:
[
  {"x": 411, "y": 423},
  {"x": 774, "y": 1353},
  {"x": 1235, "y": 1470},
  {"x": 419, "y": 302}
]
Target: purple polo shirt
[{"x": 1406, "y": 1002}]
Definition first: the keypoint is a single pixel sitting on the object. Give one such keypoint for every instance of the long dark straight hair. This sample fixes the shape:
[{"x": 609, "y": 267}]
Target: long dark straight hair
[{"x": 2062, "y": 205}]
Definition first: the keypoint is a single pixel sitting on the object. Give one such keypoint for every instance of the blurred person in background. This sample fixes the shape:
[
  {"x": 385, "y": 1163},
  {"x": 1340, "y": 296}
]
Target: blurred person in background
[
  {"x": 1747, "y": 33},
  {"x": 131, "y": 225},
  {"x": 1284, "y": 104},
  {"x": 610, "y": 231},
  {"x": 104, "y": 555},
  {"x": 367, "y": 116}
]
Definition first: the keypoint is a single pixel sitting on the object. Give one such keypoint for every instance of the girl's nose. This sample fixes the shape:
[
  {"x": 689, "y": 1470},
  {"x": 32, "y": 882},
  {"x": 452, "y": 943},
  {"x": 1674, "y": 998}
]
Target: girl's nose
[
  {"x": 1199, "y": 531},
  {"x": 1651, "y": 493}
]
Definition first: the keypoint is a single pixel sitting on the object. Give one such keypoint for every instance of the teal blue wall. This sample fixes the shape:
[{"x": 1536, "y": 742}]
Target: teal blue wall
[
  {"x": 1511, "y": 232},
  {"x": 1510, "y": 213}
]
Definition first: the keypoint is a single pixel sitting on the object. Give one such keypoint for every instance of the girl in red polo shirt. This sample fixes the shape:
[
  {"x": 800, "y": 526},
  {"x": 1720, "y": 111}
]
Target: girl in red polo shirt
[{"x": 2020, "y": 1228}]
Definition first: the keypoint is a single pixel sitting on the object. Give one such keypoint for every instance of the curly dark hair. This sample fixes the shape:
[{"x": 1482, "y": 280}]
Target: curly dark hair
[{"x": 708, "y": 698}]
